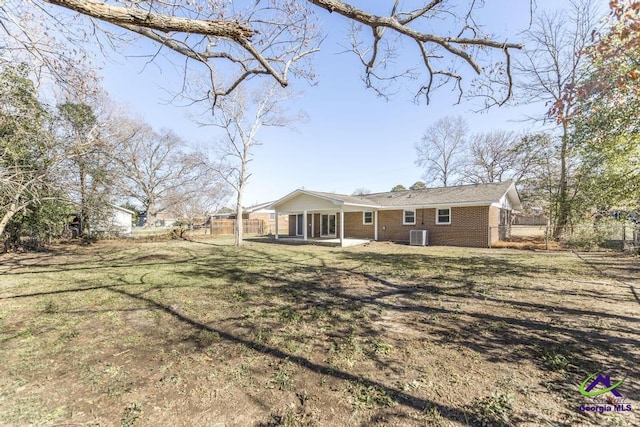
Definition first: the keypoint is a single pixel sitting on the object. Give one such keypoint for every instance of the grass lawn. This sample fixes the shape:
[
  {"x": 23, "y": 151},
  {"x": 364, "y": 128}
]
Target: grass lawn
[{"x": 205, "y": 334}]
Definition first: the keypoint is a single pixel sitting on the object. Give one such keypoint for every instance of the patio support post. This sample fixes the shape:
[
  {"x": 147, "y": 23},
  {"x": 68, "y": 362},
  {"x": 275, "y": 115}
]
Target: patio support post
[
  {"x": 375, "y": 225},
  {"x": 305, "y": 232},
  {"x": 276, "y": 225},
  {"x": 341, "y": 227},
  {"x": 313, "y": 232}
]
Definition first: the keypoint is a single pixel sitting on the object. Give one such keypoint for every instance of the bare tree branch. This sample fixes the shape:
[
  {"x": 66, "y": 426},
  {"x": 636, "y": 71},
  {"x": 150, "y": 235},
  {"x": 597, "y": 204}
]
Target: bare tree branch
[
  {"x": 440, "y": 151},
  {"x": 276, "y": 37},
  {"x": 241, "y": 116},
  {"x": 129, "y": 16}
]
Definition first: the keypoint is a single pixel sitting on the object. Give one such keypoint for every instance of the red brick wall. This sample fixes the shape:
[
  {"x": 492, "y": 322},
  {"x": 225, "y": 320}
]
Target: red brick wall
[
  {"x": 469, "y": 226},
  {"x": 390, "y": 224},
  {"x": 354, "y": 227}
]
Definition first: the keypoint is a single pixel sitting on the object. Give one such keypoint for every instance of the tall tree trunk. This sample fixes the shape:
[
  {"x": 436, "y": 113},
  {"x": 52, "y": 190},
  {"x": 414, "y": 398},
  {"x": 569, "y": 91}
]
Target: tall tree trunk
[
  {"x": 84, "y": 210},
  {"x": 150, "y": 220},
  {"x": 13, "y": 209},
  {"x": 241, "y": 185},
  {"x": 239, "y": 228},
  {"x": 563, "y": 209}
]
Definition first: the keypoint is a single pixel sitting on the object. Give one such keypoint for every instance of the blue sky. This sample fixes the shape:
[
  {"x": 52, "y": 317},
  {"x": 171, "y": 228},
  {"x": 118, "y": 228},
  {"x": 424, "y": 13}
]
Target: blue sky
[{"x": 352, "y": 138}]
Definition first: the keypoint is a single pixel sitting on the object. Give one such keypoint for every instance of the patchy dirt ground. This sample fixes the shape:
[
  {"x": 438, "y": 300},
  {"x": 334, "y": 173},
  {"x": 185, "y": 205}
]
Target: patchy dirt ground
[{"x": 202, "y": 333}]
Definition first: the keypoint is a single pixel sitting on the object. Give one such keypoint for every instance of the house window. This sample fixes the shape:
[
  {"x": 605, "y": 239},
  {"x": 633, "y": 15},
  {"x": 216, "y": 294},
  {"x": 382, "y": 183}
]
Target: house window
[
  {"x": 367, "y": 218},
  {"x": 443, "y": 216},
  {"x": 409, "y": 217},
  {"x": 272, "y": 216}
]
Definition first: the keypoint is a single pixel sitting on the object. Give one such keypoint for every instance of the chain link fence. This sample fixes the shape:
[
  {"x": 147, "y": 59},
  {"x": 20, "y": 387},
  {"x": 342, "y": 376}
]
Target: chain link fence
[{"x": 603, "y": 235}]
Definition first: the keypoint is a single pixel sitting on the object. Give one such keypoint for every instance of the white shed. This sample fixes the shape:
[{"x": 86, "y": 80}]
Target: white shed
[
  {"x": 121, "y": 220},
  {"x": 116, "y": 221}
]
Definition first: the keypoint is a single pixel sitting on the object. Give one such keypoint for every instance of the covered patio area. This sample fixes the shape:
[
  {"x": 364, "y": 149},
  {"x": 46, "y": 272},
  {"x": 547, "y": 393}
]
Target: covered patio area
[
  {"x": 346, "y": 242},
  {"x": 319, "y": 218}
]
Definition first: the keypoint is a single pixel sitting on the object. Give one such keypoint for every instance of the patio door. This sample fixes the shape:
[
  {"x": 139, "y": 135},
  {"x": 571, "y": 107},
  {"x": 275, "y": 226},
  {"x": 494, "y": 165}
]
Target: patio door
[
  {"x": 299, "y": 224},
  {"x": 328, "y": 225}
]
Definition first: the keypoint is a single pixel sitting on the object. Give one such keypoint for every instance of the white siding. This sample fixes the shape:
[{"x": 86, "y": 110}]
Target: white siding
[
  {"x": 303, "y": 202},
  {"x": 118, "y": 221},
  {"x": 122, "y": 221}
]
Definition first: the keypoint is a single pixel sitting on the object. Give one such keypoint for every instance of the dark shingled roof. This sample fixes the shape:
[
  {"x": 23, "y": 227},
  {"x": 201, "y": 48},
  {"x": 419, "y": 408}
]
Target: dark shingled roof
[
  {"x": 461, "y": 194},
  {"x": 474, "y": 194}
]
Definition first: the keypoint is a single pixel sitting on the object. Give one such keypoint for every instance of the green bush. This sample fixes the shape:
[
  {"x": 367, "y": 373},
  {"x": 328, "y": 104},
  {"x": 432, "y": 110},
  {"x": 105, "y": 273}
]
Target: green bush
[{"x": 596, "y": 235}]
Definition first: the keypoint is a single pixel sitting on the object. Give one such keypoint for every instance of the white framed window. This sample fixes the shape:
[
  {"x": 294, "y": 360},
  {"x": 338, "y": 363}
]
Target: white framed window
[
  {"x": 443, "y": 216},
  {"x": 272, "y": 215},
  {"x": 409, "y": 217},
  {"x": 367, "y": 218}
]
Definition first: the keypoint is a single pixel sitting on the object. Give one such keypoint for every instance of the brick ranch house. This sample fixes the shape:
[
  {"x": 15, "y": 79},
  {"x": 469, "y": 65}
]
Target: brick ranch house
[{"x": 466, "y": 215}]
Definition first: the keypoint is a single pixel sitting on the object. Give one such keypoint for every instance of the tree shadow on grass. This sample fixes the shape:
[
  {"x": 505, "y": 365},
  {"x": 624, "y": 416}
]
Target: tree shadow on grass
[
  {"x": 400, "y": 396},
  {"x": 451, "y": 311},
  {"x": 616, "y": 271},
  {"x": 491, "y": 332},
  {"x": 82, "y": 266}
]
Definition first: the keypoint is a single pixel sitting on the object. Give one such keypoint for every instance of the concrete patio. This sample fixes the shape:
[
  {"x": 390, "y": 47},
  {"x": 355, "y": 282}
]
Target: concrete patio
[{"x": 334, "y": 242}]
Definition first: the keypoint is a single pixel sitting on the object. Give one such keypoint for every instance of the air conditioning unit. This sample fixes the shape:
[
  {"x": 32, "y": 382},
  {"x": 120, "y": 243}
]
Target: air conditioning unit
[{"x": 418, "y": 237}]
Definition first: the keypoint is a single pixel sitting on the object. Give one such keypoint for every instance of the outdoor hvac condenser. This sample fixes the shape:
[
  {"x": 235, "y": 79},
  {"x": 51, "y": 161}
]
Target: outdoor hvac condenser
[{"x": 418, "y": 237}]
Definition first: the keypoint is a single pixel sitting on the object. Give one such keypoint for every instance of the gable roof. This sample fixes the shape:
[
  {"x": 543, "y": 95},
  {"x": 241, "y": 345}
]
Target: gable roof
[
  {"x": 224, "y": 211},
  {"x": 469, "y": 195},
  {"x": 259, "y": 207},
  {"x": 473, "y": 194},
  {"x": 121, "y": 209},
  {"x": 344, "y": 199},
  {"x": 336, "y": 199}
]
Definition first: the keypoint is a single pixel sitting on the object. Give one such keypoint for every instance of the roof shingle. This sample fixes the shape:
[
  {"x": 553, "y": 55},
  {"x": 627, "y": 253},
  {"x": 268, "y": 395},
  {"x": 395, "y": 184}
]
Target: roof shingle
[{"x": 475, "y": 193}]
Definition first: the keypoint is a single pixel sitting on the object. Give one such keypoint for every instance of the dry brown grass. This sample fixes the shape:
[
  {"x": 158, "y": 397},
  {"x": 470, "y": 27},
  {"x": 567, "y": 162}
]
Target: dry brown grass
[
  {"x": 528, "y": 243},
  {"x": 203, "y": 333}
]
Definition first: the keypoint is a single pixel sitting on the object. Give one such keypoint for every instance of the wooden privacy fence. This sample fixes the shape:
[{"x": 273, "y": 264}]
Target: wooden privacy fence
[{"x": 228, "y": 226}]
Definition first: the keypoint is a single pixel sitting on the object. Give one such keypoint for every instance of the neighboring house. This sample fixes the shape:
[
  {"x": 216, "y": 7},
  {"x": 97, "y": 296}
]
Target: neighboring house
[
  {"x": 224, "y": 213},
  {"x": 121, "y": 220},
  {"x": 112, "y": 221},
  {"x": 466, "y": 215},
  {"x": 165, "y": 219},
  {"x": 263, "y": 212},
  {"x": 162, "y": 219},
  {"x": 530, "y": 219},
  {"x": 117, "y": 221}
]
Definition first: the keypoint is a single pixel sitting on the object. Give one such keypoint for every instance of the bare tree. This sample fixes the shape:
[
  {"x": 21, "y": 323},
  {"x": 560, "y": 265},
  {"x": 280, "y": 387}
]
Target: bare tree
[
  {"x": 553, "y": 65},
  {"x": 153, "y": 165},
  {"x": 241, "y": 116},
  {"x": 239, "y": 40},
  {"x": 441, "y": 149},
  {"x": 537, "y": 165},
  {"x": 198, "y": 199},
  {"x": 361, "y": 191},
  {"x": 492, "y": 157}
]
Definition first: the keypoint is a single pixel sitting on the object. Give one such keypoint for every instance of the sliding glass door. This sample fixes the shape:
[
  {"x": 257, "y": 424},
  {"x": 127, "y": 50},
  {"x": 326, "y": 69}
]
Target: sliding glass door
[{"x": 328, "y": 225}]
